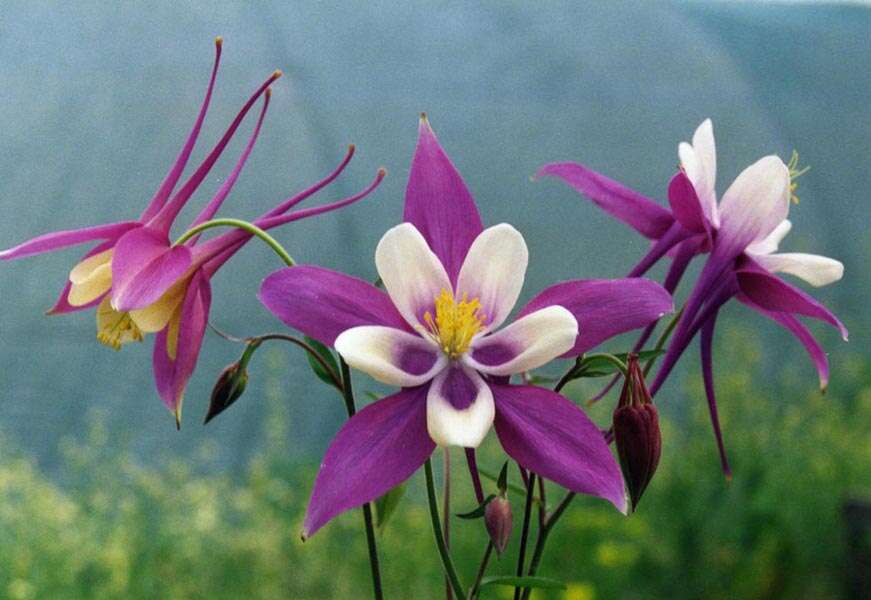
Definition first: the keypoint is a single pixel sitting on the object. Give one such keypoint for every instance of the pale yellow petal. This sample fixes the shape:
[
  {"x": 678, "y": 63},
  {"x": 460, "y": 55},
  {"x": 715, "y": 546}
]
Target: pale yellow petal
[{"x": 155, "y": 317}]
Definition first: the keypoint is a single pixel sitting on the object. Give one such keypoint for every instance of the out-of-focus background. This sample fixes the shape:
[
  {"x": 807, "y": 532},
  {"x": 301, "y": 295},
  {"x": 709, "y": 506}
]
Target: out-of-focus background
[{"x": 100, "y": 496}]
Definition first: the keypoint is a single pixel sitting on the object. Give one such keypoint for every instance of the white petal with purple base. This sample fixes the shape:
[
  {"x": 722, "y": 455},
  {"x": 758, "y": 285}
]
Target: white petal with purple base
[
  {"x": 412, "y": 274},
  {"x": 459, "y": 408},
  {"x": 493, "y": 272},
  {"x": 526, "y": 344},
  {"x": 391, "y": 356}
]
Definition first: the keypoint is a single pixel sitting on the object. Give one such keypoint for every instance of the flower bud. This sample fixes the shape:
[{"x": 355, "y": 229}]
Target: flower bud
[
  {"x": 636, "y": 432},
  {"x": 228, "y": 388},
  {"x": 497, "y": 518}
]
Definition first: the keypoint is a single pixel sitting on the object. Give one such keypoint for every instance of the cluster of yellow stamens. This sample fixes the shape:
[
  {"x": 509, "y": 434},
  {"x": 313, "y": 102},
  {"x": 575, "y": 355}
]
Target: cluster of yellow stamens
[
  {"x": 114, "y": 329},
  {"x": 455, "y": 323},
  {"x": 795, "y": 173}
]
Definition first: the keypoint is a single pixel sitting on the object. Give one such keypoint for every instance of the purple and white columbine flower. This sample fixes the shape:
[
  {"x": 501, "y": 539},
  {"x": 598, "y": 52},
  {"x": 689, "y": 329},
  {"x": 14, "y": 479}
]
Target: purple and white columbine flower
[
  {"x": 450, "y": 284},
  {"x": 742, "y": 234}
]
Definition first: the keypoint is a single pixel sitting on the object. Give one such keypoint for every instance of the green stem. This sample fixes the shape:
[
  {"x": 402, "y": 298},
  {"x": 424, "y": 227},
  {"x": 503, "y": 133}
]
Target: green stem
[
  {"x": 524, "y": 533},
  {"x": 447, "y": 563},
  {"x": 482, "y": 568},
  {"x": 660, "y": 343},
  {"x": 446, "y": 511},
  {"x": 334, "y": 377},
  {"x": 542, "y": 537},
  {"x": 239, "y": 224},
  {"x": 348, "y": 394}
]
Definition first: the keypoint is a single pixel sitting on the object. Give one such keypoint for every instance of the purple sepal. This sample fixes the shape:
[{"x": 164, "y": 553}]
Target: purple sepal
[
  {"x": 322, "y": 303},
  {"x": 549, "y": 435},
  {"x": 604, "y": 307},
  {"x": 438, "y": 203},
  {"x": 376, "y": 450},
  {"x": 639, "y": 212}
]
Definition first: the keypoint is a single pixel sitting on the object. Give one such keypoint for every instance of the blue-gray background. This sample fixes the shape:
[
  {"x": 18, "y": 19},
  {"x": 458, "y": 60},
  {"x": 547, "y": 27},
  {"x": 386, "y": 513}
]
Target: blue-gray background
[{"x": 96, "y": 101}]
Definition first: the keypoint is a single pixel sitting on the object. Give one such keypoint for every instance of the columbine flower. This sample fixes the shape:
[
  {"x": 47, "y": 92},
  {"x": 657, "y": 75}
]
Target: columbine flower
[
  {"x": 436, "y": 333},
  {"x": 742, "y": 234},
  {"x": 171, "y": 290},
  {"x": 91, "y": 280}
]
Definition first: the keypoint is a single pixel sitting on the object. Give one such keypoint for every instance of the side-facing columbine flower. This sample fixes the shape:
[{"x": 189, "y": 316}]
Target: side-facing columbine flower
[
  {"x": 450, "y": 284},
  {"x": 171, "y": 290},
  {"x": 742, "y": 234},
  {"x": 91, "y": 280}
]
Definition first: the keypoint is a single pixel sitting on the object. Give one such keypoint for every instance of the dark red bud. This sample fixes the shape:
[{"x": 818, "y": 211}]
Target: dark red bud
[
  {"x": 636, "y": 433},
  {"x": 228, "y": 388},
  {"x": 497, "y": 518}
]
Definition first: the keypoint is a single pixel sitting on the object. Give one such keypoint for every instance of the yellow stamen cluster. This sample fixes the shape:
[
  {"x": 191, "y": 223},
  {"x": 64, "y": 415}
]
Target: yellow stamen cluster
[
  {"x": 795, "y": 173},
  {"x": 114, "y": 329},
  {"x": 455, "y": 323}
]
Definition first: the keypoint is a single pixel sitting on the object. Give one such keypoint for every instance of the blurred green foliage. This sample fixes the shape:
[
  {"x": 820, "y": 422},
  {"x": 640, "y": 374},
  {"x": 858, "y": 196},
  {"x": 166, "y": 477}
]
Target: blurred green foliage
[{"x": 109, "y": 528}]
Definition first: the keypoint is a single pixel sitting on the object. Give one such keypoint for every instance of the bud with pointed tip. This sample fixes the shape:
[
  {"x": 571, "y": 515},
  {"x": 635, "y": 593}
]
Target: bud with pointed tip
[
  {"x": 498, "y": 519},
  {"x": 228, "y": 388},
  {"x": 636, "y": 432}
]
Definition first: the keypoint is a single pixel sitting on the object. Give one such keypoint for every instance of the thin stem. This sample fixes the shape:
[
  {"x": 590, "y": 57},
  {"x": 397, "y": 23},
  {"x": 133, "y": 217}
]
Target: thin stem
[
  {"x": 446, "y": 511},
  {"x": 348, "y": 394},
  {"x": 569, "y": 375},
  {"x": 660, "y": 343},
  {"x": 447, "y": 563},
  {"x": 334, "y": 377},
  {"x": 347, "y": 388},
  {"x": 476, "y": 478},
  {"x": 542, "y": 505},
  {"x": 482, "y": 568},
  {"x": 542, "y": 537},
  {"x": 610, "y": 358},
  {"x": 239, "y": 224},
  {"x": 524, "y": 533}
]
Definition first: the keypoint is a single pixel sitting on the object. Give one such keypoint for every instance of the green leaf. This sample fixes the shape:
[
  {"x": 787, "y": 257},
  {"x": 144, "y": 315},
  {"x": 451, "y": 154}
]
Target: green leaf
[
  {"x": 596, "y": 366},
  {"x": 512, "y": 487},
  {"x": 541, "y": 380},
  {"x": 525, "y": 582},
  {"x": 502, "y": 482},
  {"x": 328, "y": 357},
  {"x": 386, "y": 505},
  {"x": 479, "y": 511}
]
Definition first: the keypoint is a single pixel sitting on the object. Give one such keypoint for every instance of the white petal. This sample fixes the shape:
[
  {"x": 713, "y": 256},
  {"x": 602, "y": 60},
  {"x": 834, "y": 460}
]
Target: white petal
[
  {"x": 699, "y": 162},
  {"x": 706, "y": 151},
  {"x": 459, "y": 408},
  {"x": 814, "y": 269},
  {"x": 412, "y": 273},
  {"x": 391, "y": 356},
  {"x": 756, "y": 202},
  {"x": 772, "y": 241},
  {"x": 526, "y": 344},
  {"x": 493, "y": 272}
]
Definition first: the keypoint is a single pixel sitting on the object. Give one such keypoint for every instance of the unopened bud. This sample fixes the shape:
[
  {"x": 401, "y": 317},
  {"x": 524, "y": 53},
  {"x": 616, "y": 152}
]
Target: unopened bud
[
  {"x": 229, "y": 386},
  {"x": 636, "y": 432},
  {"x": 497, "y": 518}
]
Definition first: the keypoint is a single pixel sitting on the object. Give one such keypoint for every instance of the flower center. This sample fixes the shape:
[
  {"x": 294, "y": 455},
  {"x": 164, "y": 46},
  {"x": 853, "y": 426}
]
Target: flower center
[
  {"x": 455, "y": 323},
  {"x": 114, "y": 329},
  {"x": 795, "y": 173}
]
